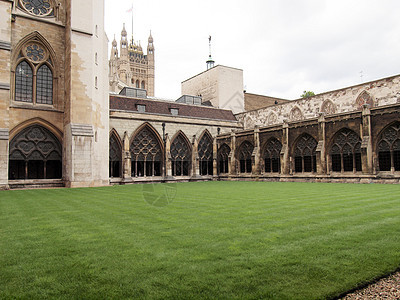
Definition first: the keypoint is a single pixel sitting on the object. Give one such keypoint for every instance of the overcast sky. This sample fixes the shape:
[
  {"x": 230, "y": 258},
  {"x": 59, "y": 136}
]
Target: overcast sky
[{"x": 283, "y": 46}]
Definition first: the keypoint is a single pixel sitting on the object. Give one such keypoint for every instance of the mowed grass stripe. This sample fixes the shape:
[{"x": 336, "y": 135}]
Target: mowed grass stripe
[{"x": 215, "y": 240}]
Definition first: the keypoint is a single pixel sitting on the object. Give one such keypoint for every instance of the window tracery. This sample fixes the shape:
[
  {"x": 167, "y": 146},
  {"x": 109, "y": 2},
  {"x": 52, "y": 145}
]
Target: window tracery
[
  {"x": 364, "y": 98},
  {"x": 272, "y": 156},
  {"x": 305, "y": 154},
  {"x": 146, "y": 154},
  {"x": 40, "y": 8},
  {"x": 223, "y": 158},
  {"x": 35, "y": 153},
  {"x": 346, "y": 152},
  {"x": 328, "y": 107},
  {"x": 181, "y": 156},
  {"x": 245, "y": 153},
  {"x": 205, "y": 152},
  {"x": 296, "y": 114},
  {"x": 389, "y": 148}
]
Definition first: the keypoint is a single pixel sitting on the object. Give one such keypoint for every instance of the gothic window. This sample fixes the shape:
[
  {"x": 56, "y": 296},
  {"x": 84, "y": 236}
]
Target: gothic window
[
  {"x": 146, "y": 154},
  {"x": 34, "y": 75},
  {"x": 115, "y": 156},
  {"x": 272, "y": 156},
  {"x": 346, "y": 152},
  {"x": 39, "y": 8},
  {"x": 205, "y": 152},
  {"x": 35, "y": 153},
  {"x": 389, "y": 148},
  {"x": 181, "y": 156},
  {"x": 142, "y": 85},
  {"x": 305, "y": 154},
  {"x": 137, "y": 84},
  {"x": 223, "y": 158},
  {"x": 245, "y": 152}
]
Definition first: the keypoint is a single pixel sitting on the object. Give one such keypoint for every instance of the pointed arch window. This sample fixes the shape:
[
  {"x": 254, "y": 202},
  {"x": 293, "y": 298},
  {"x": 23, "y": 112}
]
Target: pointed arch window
[
  {"x": 305, "y": 154},
  {"x": 245, "y": 153},
  {"x": 223, "y": 159},
  {"x": 146, "y": 154},
  {"x": 389, "y": 148},
  {"x": 346, "y": 152},
  {"x": 34, "y": 78},
  {"x": 35, "y": 153},
  {"x": 181, "y": 156},
  {"x": 115, "y": 157},
  {"x": 272, "y": 156},
  {"x": 205, "y": 152}
]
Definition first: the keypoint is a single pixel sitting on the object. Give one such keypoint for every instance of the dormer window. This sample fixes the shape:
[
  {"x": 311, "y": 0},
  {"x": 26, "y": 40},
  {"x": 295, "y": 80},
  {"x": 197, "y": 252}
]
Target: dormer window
[
  {"x": 141, "y": 108},
  {"x": 174, "y": 111}
]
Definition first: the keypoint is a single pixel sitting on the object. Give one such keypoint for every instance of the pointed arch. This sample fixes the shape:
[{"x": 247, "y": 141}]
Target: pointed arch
[
  {"x": 388, "y": 148},
  {"x": 296, "y": 114},
  {"x": 272, "y": 118},
  {"x": 244, "y": 155},
  {"x": 364, "y": 98},
  {"x": 345, "y": 151},
  {"x": 37, "y": 121},
  {"x": 223, "y": 159},
  {"x": 115, "y": 154},
  {"x": 181, "y": 155},
  {"x": 146, "y": 150},
  {"x": 205, "y": 153},
  {"x": 272, "y": 155},
  {"x": 304, "y": 152},
  {"x": 328, "y": 107},
  {"x": 35, "y": 153},
  {"x": 34, "y": 71}
]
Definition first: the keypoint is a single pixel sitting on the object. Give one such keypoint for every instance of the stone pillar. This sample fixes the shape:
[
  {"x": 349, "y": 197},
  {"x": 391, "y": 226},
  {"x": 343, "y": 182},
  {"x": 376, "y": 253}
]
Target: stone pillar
[
  {"x": 255, "y": 157},
  {"x": 231, "y": 158},
  {"x": 4, "y": 153},
  {"x": 215, "y": 158},
  {"x": 126, "y": 154},
  {"x": 366, "y": 144},
  {"x": 195, "y": 158},
  {"x": 285, "y": 163},
  {"x": 321, "y": 161},
  {"x": 168, "y": 157}
]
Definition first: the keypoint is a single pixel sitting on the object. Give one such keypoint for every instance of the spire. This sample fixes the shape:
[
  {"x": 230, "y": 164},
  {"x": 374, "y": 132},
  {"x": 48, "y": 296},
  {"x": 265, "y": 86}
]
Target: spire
[{"x": 210, "y": 62}]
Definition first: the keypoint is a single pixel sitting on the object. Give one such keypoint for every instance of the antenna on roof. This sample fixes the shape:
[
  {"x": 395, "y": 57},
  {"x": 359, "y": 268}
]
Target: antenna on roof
[{"x": 210, "y": 62}]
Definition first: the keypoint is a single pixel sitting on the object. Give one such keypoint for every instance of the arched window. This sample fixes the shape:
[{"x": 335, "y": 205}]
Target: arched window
[
  {"x": 143, "y": 85},
  {"x": 146, "y": 154},
  {"x": 223, "y": 158},
  {"x": 245, "y": 152},
  {"x": 272, "y": 156},
  {"x": 305, "y": 155},
  {"x": 137, "y": 84},
  {"x": 35, "y": 153},
  {"x": 34, "y": 78},
  {"x": 23, "y": 82},
  {"x": 346, "y": 151},
  {"x": 205, "y": 152},
  {"x": 181, "y": 156},
  {"x": 389, "y": 148},
  {"x": 115, "y": 156}
]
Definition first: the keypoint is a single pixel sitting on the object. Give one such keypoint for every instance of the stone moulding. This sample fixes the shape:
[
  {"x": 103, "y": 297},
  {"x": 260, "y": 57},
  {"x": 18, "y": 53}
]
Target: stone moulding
[
  {"x": 4, "y": 135},
  {"x": 81, "y": 130},
  {"x": 5, "y": 45},
  {"x": 4, "y": 86}
]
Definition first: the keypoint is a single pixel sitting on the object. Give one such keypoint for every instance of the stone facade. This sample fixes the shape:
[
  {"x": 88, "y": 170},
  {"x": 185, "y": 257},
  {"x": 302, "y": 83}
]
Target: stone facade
[{"x": 130, "y": 67}]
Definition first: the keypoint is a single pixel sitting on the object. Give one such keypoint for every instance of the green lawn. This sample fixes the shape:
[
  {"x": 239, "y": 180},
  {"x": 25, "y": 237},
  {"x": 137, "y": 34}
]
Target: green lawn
[{"x": 214, "y": 240}]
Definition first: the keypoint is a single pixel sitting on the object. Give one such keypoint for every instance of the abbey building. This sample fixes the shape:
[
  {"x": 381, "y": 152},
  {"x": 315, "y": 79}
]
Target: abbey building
[{"x": 72, "y": 116}]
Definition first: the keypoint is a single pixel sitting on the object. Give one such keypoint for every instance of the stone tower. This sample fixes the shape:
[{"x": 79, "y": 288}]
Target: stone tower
[{"x": 131, "y": 67}]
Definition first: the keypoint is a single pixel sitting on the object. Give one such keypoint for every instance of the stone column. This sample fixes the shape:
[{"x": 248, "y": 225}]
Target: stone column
[
  {"x": 232, "y": 159},
  {"x": 168, "y": 155},
  {"x": 321, "y": 161},
  {"x": 285, "y": 163},
  {"x": 366, "y": 144},
  {"x": 195, "y": 158},
  {"x": 127, "y": 165},
  {"x": 4, "y": 154},
  {"x": 215, "y": 158},
  {"x": 255, "y": 157}
]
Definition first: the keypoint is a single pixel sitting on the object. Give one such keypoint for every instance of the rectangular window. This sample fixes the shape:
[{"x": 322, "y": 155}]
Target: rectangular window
[
  {"x": 141, "y": 108},
  {"x": 174, "y": 111}
]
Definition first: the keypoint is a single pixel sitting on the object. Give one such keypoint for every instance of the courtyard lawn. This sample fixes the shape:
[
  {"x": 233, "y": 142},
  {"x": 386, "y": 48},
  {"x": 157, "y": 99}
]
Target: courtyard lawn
[{"x": 198, "y": 240}]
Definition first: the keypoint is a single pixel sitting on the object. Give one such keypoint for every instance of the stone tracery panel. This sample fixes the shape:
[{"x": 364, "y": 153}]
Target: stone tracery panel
[
  {"x": 181, "y": 156},
  {"x": 205, "y": 153}
]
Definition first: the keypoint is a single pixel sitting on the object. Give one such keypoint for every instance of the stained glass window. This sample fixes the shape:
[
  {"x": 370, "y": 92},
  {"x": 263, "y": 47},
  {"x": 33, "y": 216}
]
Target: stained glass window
[
  {"x": 44, "y": 85},
  {"x": 23, "y": 82},
  {"x": 38, "y": 7}
]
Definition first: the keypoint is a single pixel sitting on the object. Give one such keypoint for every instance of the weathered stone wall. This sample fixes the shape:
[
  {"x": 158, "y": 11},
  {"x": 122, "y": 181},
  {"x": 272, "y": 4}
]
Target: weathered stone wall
[{"x": 379, "y": 93}]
